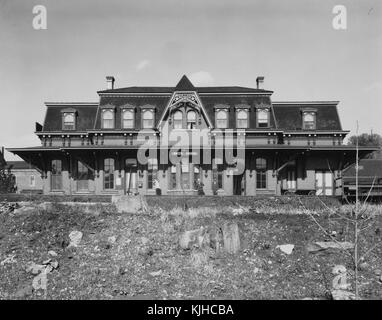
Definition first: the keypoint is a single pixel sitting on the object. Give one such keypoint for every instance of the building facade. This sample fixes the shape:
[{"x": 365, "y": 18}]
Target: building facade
[
  {"x": 27, "y": 177},
  {"x": 189, "y": 140}
]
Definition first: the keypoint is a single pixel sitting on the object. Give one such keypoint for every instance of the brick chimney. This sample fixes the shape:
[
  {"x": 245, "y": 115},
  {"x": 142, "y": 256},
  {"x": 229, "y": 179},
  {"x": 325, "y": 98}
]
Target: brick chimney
[
  {"x": 110, "y": 82},
  {"x": 259, "y": 82}
]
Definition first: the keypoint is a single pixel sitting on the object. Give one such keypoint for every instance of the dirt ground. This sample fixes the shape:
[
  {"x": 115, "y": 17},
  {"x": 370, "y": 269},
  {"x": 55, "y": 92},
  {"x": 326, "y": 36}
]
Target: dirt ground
[{"x": 137, "y": 256}]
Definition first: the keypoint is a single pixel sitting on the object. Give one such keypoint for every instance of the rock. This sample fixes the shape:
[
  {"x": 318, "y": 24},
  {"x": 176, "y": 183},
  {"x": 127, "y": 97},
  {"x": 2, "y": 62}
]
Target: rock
[
  {"x": 380, "y": 278},
  {"x": 24, "y": 291},
  {"x": 319, "y": 246},
  {"x": 34, "y": 268},
  {"x": 129, "y": 203},
  {"x": 8, "y": 260},
  {"x": 216, "y": 239},
  {"x": 286, "y": 248},
  {"x": 155, "y": 273},
  {"x": 340, "y": 280},
  {"x": 75, "y": 238},
  {"x": 52, "y": 253},
  {"x": 338, "y": 269},
  {"x": 47, "y": 261},
  {"x": 342, "y": 295},
  {"x": 47, "y": 206},
  {"x": 256, "y": 270},
  {"x": 194, "y": 238},
  {"x": 378, "y": 272},
  {"x": 112, "y": 239},
  {"x": 363, "y": 266},
  {"x": 40, "y": 281},
  {"x": 54, "y": 264},
  {"x": 25, "y": 210},
  {"x": 231, "y": 238},
  {"x": 144, "y": 240}
]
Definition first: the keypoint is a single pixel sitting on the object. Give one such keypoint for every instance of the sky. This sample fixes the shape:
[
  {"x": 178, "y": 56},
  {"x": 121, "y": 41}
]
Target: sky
[{"x": 219, "y": 42}]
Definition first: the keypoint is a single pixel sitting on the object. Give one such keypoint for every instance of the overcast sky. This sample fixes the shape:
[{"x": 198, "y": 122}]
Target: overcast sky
[{"x": 292, "y": 43}]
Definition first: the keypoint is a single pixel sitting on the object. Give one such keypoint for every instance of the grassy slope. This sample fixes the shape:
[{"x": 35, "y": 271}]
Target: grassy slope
[{"x": 101, "y": 270}]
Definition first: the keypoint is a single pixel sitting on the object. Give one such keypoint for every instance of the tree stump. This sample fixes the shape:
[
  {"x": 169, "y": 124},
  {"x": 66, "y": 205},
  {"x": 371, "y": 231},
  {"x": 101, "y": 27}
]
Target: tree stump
[{"x": 231, "y": 238}]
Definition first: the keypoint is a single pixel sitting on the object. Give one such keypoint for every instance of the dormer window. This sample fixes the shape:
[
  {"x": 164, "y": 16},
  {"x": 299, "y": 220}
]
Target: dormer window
[
  {"x": 68, "y": 121},
  {"x": 191, "y": 120},
  {"x": 108, "y": 119},
  {"x": 262, "y": 118},
  {"x": 222, "y": 119},
  {"x": 147, "y": 119},
  {"x": 309, "y": 120},
  {"x": 127, "y": 118},
  {"x": 178, "y": 120},
  {"x": 242, "y": 118}
]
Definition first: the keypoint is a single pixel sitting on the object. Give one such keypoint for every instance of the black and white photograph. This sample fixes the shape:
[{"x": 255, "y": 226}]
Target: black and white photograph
[{"x": 205, "y": 152}]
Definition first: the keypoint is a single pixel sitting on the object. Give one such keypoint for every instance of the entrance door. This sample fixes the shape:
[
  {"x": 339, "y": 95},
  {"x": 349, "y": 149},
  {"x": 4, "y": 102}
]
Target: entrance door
[
  {"x": 131, "y": 176},
  {"x": 82, "y": 177},
  {"x": 324, "y": 183},
  {"x": 291, "y": 180},
  {"x": 239, "y": 185}
]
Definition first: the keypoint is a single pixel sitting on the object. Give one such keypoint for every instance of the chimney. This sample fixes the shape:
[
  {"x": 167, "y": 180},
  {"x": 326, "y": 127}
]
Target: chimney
[
  {"x": 259, "y": 82},
  {"x": 110, "y": 82}
]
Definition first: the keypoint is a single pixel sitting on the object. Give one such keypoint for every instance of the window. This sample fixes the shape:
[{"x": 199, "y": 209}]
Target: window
[
  {"x": 173, "y": 178},
  {"x": 148, "y": 119},
  {"x": 56, "y": 175},
  {"x": 191, "y": 120},
  {"x": 217, "y": 172},
  {"x": 108, "y": 119},
  {"x": 32, "y": 181},
  {"x": 261, "y": 173},
  {"x": 309, "y": 121},
  {"x": 108, "y": 178},
  {"x": 128, "y": 119},
  {"x": 242, "y": 119},
  {"x": 197, "y": 177},
  {"x": 82, "y": 176},
  {"x": 263, "y": 118},
  {"x": 152, "y": 169},
  {"x": 185, "y": 176},
  {"x": 68, "y": 121},
  {"x": 178, "y": 120},
  {"x": 221, "y": 119}
]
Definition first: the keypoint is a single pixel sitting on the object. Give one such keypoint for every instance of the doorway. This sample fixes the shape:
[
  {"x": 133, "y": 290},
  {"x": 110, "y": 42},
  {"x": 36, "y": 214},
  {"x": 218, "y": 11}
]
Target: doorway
[
  {"x": 239, "y": 185},
  {"x": 131, "y": 176},
  {"x": 324, "y": 183}
]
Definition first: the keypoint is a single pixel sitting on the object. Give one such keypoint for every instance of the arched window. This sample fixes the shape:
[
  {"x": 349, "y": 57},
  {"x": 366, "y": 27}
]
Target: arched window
[
  {"x": 69, "y": 121},
  {"x": 128, "y": 119},
  {"x": 221, "y": 119},
  {"x": 191, "y": 120},
  {"x": 56, "y": 171},
  {"x": 148, "y": 119},
  {"x": 108, "y": 176},
  {"x": 261, "y": 173},
  {"x": 108, "y": 119},
  {"x": 178, "y": 120},
  {"x": 242, "y": 119},
  {"x": 262, "y": 118},
  {"x": 309, "y": 121}
]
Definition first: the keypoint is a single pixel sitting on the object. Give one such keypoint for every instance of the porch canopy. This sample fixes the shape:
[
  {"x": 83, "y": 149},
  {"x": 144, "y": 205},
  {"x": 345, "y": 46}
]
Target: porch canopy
[{"x": 37, "y": 156}]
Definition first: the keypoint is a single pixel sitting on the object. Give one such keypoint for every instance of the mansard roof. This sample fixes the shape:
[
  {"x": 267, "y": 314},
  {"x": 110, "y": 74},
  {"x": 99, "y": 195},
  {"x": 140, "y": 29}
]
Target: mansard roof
[
  {"x": 285, "y": 116},
  {"x": 86, "y": 114},
  {"x": 289, "y": 114},
  {"x": 185, "y": 84}
]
